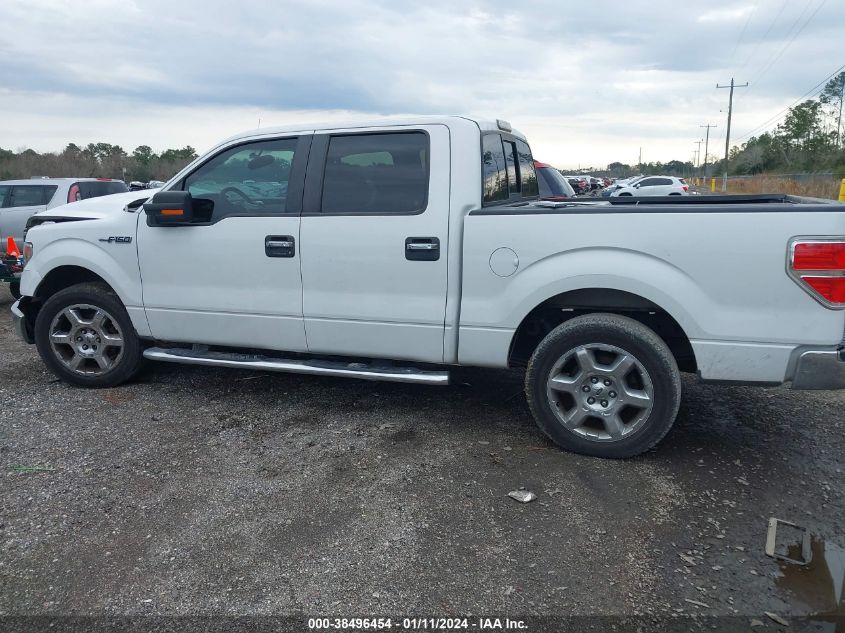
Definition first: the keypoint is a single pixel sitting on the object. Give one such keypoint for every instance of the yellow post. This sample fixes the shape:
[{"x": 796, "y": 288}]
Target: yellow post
[
  {"x": 712, "y": 185},
  {"x": 842, "y": 191}
]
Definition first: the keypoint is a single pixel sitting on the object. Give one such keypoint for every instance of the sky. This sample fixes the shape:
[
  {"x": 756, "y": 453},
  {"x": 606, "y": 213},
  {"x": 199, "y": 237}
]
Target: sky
[{"x": 589, "y": 83}]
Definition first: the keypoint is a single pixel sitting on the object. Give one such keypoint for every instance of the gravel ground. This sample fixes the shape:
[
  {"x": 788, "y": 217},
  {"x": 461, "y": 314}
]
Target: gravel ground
[{"x": 202, "y": 491}]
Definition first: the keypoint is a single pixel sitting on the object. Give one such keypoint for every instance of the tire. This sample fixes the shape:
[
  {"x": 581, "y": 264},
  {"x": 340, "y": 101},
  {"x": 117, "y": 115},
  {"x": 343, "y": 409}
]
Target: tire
[
  {"x": 89, "y": 316},
  {"x": 675, "y": 194},
  {"x": 628, "y": 195},
  {"x": 15, "y": 289},
  {"x": 630, "y": 413}
]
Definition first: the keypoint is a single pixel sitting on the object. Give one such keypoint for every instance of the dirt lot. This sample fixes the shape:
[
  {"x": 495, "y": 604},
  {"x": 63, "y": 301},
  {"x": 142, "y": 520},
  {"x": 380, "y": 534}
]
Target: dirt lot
[{"x": 199, "y": 491}]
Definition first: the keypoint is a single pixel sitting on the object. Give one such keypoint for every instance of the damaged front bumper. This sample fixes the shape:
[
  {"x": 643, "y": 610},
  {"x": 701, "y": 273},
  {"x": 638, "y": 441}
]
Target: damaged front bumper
[{"x": 20, "y": 322}]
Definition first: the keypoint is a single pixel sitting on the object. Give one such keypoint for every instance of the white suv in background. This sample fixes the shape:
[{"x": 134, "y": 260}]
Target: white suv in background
[
  {"x": 19, "y": 199},
  {"x": 654, "y": 186}
]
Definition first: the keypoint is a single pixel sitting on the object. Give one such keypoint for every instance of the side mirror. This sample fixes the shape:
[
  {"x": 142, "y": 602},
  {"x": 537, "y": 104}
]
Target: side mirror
[
  {"x": 637, "y": 186},
  {"x": 170, "y": 208}
]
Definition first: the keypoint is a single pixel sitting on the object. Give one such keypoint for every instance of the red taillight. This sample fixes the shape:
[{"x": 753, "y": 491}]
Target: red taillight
[
  {"x": 539, "y": 165},
  {"x": 819, "y": 265},
  {"x": 686, "y": 187},
  {"x": 74, "y": 194},
  {"x": 831, "y": 288},
  {"x": 819, "y": 256}
]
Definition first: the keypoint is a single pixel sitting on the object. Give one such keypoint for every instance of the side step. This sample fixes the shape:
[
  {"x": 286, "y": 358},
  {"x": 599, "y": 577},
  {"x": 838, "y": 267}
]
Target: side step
[{"x": 315, "y": 367}]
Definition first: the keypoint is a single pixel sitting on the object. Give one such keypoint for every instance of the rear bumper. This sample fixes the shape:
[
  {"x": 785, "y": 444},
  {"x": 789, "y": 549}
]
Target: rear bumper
[
  {"x": 820, "y": 369},
  {"x": 20, "y": 322}
]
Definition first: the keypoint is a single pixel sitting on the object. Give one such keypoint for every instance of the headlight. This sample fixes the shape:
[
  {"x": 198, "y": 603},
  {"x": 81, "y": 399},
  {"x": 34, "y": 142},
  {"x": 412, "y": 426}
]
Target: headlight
[{"x": 27, "y": 252}]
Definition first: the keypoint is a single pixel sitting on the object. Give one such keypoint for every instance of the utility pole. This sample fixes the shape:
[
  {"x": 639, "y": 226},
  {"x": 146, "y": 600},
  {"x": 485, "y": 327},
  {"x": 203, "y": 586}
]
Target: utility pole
[
  {"x": 698, "y": 153},
  {"x": 728, "y": 134},
  {"x": 707, "y": 145},
  {"x": 640, "y": 164}
]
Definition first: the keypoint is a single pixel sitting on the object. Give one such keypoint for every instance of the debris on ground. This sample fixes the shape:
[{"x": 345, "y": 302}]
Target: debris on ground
[
  {"x": 697, "y": 603},
  {"x": 523, "y": 496},
  {"x": 755, "y": 623},
  {"x": 775, "y": 618}
]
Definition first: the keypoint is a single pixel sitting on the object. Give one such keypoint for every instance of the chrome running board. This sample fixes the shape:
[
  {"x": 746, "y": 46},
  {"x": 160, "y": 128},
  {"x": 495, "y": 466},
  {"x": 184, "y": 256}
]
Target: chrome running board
[{"x": 315, "y": 367}]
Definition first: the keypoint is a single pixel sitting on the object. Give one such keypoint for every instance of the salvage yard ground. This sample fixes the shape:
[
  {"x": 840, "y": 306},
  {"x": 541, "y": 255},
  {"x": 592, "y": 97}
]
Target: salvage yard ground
[{"x": 209, "y": 491}]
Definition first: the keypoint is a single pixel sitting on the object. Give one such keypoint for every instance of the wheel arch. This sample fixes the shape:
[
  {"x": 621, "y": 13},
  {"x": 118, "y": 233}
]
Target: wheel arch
[
  {"x": 65, "y": 276},
  {"x": 563, "y": 306}
]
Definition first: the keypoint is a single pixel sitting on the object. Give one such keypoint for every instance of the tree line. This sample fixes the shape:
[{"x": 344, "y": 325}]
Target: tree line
[
  {"x": 96, "y": 160},
  {"x": 809, "y": 139}
]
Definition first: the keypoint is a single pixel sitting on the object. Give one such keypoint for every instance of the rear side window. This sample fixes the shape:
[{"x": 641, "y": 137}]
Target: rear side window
[
  {"x": 495, "y": 183},
  {"x": 527, "y": 175},
  {"x": 507, "y": 170},
  {"x": 4, "y": 193},
  {"x": 31, "y": 195},
  {"x": 383, "y": 173}
]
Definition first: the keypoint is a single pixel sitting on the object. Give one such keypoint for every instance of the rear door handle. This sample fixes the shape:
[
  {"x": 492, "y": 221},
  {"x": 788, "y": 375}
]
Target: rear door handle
[
  {"x": 422, "y": 249},
  {"x": 279, "y": 246}
]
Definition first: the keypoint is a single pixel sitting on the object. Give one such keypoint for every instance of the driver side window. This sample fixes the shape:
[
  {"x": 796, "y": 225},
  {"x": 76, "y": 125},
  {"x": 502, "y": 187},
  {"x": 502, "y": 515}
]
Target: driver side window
[{"x": 248, "y": 179}]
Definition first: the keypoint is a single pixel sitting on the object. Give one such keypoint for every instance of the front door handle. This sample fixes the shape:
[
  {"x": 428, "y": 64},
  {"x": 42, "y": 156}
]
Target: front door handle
[
  {"x": 422, "y": 249},
  {"x": 279, "y": 246}
]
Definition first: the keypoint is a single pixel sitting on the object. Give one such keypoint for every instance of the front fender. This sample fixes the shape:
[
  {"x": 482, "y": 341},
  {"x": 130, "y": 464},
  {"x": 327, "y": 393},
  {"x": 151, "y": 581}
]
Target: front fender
[{"x": 126, "y": 282}]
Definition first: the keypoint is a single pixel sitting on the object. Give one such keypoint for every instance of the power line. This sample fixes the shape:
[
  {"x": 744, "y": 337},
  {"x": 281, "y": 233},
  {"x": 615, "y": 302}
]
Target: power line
[
  {"x": 728, "y": 133},
  {"x": 812, "y": 92},
  {"x": 742, "y": 32},
  {"x": 765, "y": 35},
  {"x": 789, "y": 42}
]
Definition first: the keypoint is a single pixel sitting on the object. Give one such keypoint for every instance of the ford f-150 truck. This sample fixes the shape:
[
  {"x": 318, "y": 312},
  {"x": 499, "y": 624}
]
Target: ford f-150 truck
[{"x": 393, "y": 250}]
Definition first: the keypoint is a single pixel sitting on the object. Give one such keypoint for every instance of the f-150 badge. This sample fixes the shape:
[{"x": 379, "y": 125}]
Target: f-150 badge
[{"x": 119, "y": 239}]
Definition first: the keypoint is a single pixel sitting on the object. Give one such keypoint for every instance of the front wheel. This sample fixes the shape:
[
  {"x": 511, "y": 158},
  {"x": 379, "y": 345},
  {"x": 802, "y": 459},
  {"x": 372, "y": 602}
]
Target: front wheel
[
  {"x": 84, "y": 335},
  {"x": 603, "y": 385}
]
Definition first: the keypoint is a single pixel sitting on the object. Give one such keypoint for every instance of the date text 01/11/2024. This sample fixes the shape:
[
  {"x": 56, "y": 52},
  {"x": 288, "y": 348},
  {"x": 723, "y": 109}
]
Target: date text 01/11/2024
[{"x": 415, "y": 624}]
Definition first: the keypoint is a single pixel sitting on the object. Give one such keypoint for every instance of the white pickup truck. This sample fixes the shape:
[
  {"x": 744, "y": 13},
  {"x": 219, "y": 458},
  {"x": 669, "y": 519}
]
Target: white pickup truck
[{"x": 394, "y": 250}]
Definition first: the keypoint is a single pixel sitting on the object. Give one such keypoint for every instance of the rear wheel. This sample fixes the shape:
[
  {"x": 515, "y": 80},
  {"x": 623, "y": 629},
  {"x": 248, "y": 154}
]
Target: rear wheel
[
  {"x": 84, "y": 335},
  {"x": 603, "y": 385},
  {"x": 625, "y": 194}
]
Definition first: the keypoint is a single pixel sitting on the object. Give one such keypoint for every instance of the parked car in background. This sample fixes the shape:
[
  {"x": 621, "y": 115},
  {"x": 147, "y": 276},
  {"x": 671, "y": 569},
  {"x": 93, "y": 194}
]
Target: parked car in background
[
  {"x": 654, "y": 186},
  {"x": 553, "y": 186},
  {"x": 19, "y": 199},
  {"x": 578, "y": 183},
  {"x": 619, "y": 184}
]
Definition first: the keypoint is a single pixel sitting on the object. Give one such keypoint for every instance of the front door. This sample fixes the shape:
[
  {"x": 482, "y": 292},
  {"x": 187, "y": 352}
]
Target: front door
[
  {"x": 232, "y": 277},
  {"x": 375, "y": 241}
]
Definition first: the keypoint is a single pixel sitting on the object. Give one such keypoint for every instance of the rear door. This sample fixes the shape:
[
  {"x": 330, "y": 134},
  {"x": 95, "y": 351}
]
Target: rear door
[
  {"x": 20, "y": 203},
  {"x": 374, "y": 240}
]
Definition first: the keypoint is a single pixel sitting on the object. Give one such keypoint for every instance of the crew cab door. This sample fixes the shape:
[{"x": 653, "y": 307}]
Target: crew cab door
[
  {"x": 374, "y": 242},
  {"x": 232, "y": 277}
]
